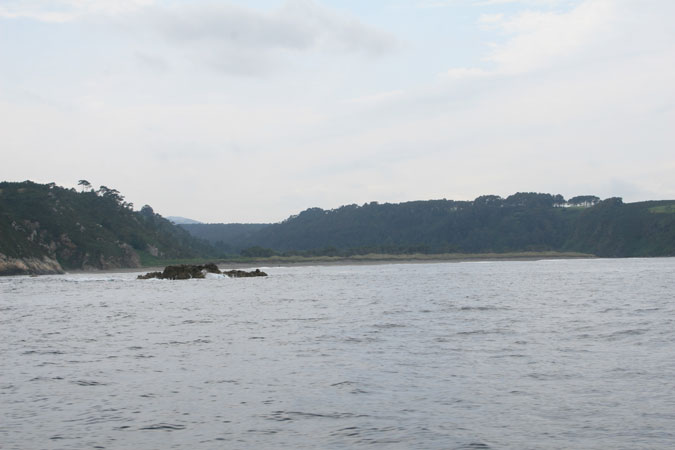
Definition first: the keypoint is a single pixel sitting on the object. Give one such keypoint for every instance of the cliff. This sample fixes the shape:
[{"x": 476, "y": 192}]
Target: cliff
[{"x": 30, "y": 265}]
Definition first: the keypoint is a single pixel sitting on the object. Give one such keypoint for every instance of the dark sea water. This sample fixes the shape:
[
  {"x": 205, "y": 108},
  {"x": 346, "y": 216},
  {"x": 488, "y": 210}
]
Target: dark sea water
[{"x": 498, "y": 355}]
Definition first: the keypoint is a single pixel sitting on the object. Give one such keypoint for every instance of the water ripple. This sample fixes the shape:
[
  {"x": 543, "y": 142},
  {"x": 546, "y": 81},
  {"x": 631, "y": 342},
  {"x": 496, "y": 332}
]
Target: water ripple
[{"x": 511, "y": 355}]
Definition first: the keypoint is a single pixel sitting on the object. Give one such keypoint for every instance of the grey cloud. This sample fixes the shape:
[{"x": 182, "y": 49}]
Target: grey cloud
[
  {"x": 241, "y": 62},
  {"x": 336, "y": 31},
  {"x": 231, "y": 25},
  {"x": 246, "y": 41},
  {"x": 151, "y": 62}
]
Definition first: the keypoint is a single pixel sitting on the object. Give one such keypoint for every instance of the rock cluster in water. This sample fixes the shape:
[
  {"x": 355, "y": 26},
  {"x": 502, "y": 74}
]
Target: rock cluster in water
[{"x": 188, "y": 271}]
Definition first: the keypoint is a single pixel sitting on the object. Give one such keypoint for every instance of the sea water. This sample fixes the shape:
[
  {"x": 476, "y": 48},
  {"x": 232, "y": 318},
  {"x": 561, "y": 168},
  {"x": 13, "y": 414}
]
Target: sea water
[{"x": 494, "y": 355}]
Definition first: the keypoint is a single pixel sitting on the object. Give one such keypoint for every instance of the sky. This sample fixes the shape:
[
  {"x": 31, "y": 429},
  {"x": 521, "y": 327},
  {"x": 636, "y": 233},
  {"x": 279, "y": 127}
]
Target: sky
[{"x": 251, "y": 111}]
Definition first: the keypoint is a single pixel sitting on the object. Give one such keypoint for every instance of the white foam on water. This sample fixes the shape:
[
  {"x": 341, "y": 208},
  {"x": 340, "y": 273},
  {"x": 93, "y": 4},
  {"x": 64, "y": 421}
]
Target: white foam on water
[{"x": 215, "y": 276}]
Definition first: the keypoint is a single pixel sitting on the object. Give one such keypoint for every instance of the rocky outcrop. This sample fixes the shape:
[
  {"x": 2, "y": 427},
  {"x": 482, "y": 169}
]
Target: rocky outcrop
[
  {"x": 29, "y": 266},
  {"x": 182, "y": 272},
  {"x": 189, "y": 271},
  {"x": 244, "y": 274}
]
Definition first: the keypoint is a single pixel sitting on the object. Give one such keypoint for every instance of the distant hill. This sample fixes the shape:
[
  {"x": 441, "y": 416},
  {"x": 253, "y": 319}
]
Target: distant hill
[
  {"x": 229, "y": 238},
  {"x": 181, "y": 220},
  {"x": 520, "y": 222},
  {"x": 46, "y": 228}
]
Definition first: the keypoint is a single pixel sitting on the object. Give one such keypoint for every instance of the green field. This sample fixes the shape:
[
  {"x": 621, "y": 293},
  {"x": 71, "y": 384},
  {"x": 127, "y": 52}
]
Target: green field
[
  {"x": 371, "y": 258},
  {"x": 663, "y": 209}
]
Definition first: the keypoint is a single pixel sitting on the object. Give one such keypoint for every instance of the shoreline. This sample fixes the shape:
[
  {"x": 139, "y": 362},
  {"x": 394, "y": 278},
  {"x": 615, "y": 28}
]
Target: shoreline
[
  {"x": 407, "y": 259},
  {"x": 370, "y": 259}
]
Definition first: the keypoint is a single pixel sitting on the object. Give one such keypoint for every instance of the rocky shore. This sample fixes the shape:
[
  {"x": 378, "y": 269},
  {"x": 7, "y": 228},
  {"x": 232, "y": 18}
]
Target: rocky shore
[{"x": 29, "y": 266}]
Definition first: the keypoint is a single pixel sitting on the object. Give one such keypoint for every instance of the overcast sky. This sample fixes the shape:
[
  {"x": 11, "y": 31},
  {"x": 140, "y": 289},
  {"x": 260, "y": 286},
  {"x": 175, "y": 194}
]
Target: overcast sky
[{"x": 250, "y": 111}]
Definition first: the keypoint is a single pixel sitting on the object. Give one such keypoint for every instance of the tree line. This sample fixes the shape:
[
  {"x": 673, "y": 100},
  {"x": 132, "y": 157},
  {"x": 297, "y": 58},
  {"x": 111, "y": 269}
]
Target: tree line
[{"x": 520, "y": 222}]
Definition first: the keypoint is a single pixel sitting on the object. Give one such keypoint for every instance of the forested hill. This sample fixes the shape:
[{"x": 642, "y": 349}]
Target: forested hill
[
  {"x": 520, "y": 222},
  {"x": 44, "y": 227}
]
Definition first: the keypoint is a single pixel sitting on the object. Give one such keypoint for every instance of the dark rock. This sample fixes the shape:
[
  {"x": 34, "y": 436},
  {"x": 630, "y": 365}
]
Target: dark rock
[
  {"x": 244, "y": 274},
  {"x": 182, "y": 272},
  {"x": 149, "y": 275},
  {"x": 188, "y": 271}
]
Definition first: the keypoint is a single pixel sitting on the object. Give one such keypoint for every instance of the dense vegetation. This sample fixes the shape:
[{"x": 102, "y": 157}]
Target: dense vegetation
[
  {"x": 99, "y": 229},
  {"x": 88, "y": 229},
  {"x": 616, "y": 229},
  {"x": 520, "y": 222}
]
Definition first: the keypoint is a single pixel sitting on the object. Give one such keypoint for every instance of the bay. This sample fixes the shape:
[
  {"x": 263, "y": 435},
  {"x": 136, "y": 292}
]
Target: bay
[{"x": 516, "y": 355}]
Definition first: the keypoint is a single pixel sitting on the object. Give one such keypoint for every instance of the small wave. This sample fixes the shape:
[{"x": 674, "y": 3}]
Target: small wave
[
  {"x": 625, "y": 333},
  {"x": 284, "y": 416},
  {"x": 46, "y": 352},
  {"x": 348, "y": 432},
  {"x": 644, "y": 310},
  {"x": 473, "y": 446},
  {"x": 300, "y": 319},
  {"x": 349, "y": 386},
  {"x": 196, "y": 341},
  {"x": 372, "y": 435},
  {"x": 343, "y": 383},
  {"x": 91, "y": 279},
  {"x": 479, "y": 308},
  {"x": 265, "y": 432},
  {"x": 39, "y": 379},
  {"x": 389, "y": 325},
  {"x": 221, "y": 382},
  {"x": 163, "y": 427},
  {"x": 443, "y": 339},
  {"x": 88, "y": 383},
  {"x": 473, "y": 332},
  {"x": 355, "y": 340},
  {"x": 510, "y": 355}
]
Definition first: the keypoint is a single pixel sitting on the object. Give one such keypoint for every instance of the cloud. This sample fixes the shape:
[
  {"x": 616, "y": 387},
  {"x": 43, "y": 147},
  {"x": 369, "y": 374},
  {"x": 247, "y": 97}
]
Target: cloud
[
  {"x": 542, "y": 39},
  {"x": 458, "y": 73},
  {"x": 538, "y": 3},
  {"x": 452, "y": 3},
  {"x": 151, "y": 62},
  {"x": 571, "y": 100},
  {"x": 532, "y": 40},
  {"x": 245, "y": 41},
  {"x": 232, "y": 39},
  {"x": 67, "y": 10}
]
